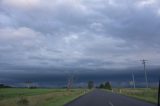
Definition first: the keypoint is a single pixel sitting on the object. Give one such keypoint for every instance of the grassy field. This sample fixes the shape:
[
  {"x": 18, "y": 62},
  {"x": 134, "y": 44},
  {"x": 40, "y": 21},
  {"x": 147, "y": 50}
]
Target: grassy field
[
  {"x": 37, "y": 97},
  {"x": 149, "y": 95}
]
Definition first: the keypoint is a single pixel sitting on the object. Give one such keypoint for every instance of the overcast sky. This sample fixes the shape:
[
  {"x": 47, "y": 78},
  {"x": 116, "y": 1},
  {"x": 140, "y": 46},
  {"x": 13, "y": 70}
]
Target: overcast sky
[{"x": 61, "y": 36}]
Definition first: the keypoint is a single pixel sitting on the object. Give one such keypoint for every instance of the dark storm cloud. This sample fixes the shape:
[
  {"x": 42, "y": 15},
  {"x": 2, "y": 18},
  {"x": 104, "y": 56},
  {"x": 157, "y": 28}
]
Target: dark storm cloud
[
  {"x": 55, "y": 80},
  {"x": 64, "y": 35}
]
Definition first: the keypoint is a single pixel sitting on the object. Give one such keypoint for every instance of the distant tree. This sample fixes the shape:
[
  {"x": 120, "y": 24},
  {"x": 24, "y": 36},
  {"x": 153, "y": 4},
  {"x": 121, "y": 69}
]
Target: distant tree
[
  {"x": 4, "y": 86},
  {"x": 90, "y": 84},
  {"x": 70, "y": 82},
  {"x": 108, "y": 86},
  {"x": 101, "y": 86}
]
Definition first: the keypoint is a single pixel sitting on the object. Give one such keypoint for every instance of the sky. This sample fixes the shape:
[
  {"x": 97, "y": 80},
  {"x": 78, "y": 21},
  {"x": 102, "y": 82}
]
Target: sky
[{"x": 48, "y": 40}]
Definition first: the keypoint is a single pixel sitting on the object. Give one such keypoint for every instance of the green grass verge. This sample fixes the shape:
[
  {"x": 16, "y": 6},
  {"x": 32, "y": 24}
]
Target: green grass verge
[
  {"x": 38, "y": 97},
  {"x": 61, "y": 100},
  {"x": 6, "y": 93},
  {"x": 148, "y": 95}
]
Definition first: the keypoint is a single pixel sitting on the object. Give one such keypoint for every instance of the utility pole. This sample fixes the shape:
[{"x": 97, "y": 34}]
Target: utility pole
[
  {"x": 144, "y": 63},
  {"x": 28, "y": 83},
  {"x": 134, "y": 85}
]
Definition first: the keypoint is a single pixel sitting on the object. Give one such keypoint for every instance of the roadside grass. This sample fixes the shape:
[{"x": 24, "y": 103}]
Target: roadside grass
[
  {"x": 38, "y": 97},
  {"x": 6, "y": 93},
  {"x": 64, "y": 98},
  {"x": 148, "y": 95}
]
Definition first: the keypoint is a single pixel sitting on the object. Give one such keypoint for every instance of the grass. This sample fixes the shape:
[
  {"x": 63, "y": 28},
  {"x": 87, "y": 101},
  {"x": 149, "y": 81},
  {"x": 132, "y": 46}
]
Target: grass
[
  {"x": 37, "y": 97},
  {"x": 149, "y": 95},
  {"x": 6, "y": 93},
  {"x": 61, "y": 100}
]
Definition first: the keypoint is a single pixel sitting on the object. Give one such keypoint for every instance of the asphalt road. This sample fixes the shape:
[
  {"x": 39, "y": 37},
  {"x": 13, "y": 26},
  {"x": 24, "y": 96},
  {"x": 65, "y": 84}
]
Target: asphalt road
[{"x": 103, "y": 98}]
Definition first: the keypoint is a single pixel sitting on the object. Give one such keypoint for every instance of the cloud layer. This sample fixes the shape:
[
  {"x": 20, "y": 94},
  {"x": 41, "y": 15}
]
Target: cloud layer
[{"x": 88, "y": 34}]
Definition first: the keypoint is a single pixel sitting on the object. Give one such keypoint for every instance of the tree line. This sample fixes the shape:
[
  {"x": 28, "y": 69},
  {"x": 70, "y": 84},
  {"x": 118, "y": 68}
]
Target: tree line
[{"x": 105, "y": 85}]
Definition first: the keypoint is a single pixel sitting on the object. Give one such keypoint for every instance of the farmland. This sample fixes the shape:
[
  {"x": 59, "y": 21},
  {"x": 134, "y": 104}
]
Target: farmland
[
  {"x": 37, "y": 97},
  {"x": 59, "y": 97},
  {"x": 149, "y": 95}
]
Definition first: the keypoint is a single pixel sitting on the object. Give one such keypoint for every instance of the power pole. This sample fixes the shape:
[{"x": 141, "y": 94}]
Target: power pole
[
  {"x": 144, "y": 63},
  {"x": 134, "y": 85},
  {"x": 28, "y": 83}
]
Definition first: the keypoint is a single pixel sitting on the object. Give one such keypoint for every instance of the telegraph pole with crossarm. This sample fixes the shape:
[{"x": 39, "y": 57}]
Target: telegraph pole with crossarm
[{"x": 144, "y": 63}]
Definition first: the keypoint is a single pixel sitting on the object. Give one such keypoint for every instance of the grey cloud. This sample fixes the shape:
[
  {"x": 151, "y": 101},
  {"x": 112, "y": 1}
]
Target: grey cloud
[{"x": 87, "y": 34}]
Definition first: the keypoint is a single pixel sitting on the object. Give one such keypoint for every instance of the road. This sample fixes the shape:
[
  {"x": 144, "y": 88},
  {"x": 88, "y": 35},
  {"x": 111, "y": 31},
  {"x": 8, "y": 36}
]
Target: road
[{"x": 103, "y": 98}]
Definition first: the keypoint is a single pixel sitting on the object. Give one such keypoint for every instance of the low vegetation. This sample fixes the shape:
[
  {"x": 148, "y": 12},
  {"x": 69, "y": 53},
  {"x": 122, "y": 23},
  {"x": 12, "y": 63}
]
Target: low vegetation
[
  {"x": 149, "y": 95},
  {"x": 37, "y": 97}
]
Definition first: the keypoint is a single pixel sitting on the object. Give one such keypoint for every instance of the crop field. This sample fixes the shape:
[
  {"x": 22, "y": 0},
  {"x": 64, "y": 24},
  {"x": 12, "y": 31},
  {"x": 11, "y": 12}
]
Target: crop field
[
  {"x": 149, "y": 95},
  {"x": 37, "y": 97}
]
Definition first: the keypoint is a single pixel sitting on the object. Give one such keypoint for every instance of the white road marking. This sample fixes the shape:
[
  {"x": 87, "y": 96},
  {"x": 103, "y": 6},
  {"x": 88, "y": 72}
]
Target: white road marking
[{"x": 110, "y": 103}]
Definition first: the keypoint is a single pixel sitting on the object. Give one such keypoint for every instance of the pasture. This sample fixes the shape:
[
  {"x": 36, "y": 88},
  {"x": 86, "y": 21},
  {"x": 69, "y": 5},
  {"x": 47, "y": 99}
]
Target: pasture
[
  {"x": 149, "y": 95},
  {"x": 37, "y": 97}
]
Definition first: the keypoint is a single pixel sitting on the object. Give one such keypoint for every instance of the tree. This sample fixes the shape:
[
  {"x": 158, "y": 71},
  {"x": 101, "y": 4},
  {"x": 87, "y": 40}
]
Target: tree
[
  {"x": 90, "y": 84},
  {"x": 70, "y": 82},
  {"x": 101, "y": 86},
  {"x": 4, "y": 86},
  {"x": 108, "y": 86}
]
